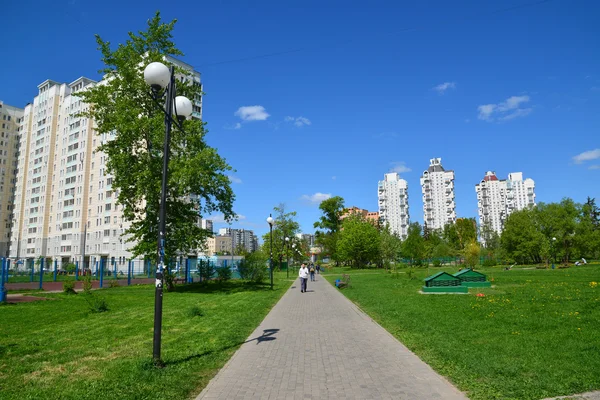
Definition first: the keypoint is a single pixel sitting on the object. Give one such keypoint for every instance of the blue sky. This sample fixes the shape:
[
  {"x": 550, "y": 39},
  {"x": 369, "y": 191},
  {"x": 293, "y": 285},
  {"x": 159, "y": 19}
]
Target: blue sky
[{"x": 498, "y": 85}]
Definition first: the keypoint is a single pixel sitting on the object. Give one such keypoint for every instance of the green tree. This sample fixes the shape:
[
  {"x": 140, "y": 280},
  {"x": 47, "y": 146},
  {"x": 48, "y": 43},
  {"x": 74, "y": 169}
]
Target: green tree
[
  {"x": 559, "y": 220},
  {"x": 389, "y": 246},
  {"x": 285, "y": 225},
  {"x": 466, "y": 230},
  {"x": 587, "y": 231},
  {"x": 329, "y": 224},
  {"x": 471, "y": 253},
  {"x": 521, "y": 239},
  {"x": 413, "y": 247},
  {"x": 359, "y": 242},
  {"x": 122, "y": 105},
  {"x": 450, "y": 235}
]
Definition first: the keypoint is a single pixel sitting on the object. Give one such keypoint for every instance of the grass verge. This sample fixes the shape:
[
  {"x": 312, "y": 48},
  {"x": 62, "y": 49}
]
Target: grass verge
[
  {"x": 59, "y": 349},
  {"x": 535, "y": 334}
]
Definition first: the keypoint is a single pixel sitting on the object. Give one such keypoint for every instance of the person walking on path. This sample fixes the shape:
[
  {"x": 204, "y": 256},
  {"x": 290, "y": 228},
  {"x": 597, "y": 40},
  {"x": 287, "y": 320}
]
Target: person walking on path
[
  {"x": 312, "y": 273},
  {"x": 303, "y": 273},
  {"x": 318, "y": 268}
]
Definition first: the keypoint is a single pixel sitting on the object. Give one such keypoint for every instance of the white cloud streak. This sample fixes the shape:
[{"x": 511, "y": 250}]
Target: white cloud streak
[
  {"x": 399, "y": 167},
  {"x": 234, "y": 179},
  {"x": 442, "y": 87},
  {"x": 587, "y": 156},
  {"x": 252, "y": 113},
  {"x": 504, "y": 111},
  {"x": 316, "y": 198},
  {"x": 298, "y": 121}
]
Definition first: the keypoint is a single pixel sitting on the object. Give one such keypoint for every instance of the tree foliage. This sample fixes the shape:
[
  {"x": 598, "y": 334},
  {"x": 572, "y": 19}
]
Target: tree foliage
[
  {"x": 329, "y": 224},
  {"x": 561, "y": 231},
  {"x": 285, "y": 226},
  {"x": 413, "y": 246},
  {"x": 123, "y": 105},
  {"x": 359, "y": 242}
]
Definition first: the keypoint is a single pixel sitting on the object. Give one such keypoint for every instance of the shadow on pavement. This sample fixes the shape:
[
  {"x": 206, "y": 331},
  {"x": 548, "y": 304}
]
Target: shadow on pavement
[{"x": 267, "y": 336}]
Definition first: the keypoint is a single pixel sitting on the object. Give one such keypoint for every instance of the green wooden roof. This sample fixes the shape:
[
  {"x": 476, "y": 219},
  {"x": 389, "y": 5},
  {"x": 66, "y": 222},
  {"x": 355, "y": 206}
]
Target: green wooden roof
[
  {"x": 441, "y": 276},
  {"x": 468, "y": 272}
]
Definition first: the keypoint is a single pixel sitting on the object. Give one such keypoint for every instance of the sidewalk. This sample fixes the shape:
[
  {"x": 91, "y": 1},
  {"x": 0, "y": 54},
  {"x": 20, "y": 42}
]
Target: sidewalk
[{"x": 318, "y": 345}]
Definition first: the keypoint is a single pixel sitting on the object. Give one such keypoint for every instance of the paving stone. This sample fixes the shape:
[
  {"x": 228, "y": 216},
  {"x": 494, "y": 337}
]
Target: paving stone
[{"x": 325, "y": 348}]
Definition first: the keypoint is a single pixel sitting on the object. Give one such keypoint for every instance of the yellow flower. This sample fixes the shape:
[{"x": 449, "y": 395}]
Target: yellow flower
[{"x": 593, "y": 284}]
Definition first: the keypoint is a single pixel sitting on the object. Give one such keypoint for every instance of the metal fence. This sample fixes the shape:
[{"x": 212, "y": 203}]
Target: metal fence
[{"x": 36, "y": 272}]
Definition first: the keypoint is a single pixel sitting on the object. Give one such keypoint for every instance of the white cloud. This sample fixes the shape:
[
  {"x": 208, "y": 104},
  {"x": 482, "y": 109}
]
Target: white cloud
[
  {"x": 316, "y": 198},
  {"x": 298, "y": 121},
  {"x": 594, "y": 167},
  {"x": 504, "y": 111},
  {"x": 238, "y": 125},
  {"x": 220, "y": 218},
  {"x": 441, "y": 88},
  {"x": 587, "y": 156},
  {"x": 234, "y": 179},
  {"x": 399, "y": 167},
  {"x": 252, "y": 113}
]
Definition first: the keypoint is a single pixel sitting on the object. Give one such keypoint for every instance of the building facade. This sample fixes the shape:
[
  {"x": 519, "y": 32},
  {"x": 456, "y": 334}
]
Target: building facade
[
  {"x": 241, "y": 238},
  {"x": 207, "y": 224},
  {"x": 65, "y": 206},
  {"x": 437, "y": 187},
  {"x": 10, "y": 124},
  {"x": 371, "y": 216},
  {"x": 497, "y": 199},
  {"x": 392, "y": 194}
]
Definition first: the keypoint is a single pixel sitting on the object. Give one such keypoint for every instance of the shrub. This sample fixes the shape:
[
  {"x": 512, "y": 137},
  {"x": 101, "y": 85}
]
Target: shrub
[
  {"x": 223, "y": 274},
  {"x": 69, "y": 287},
  {"x": 489, "y": 262},
  {"x": 69, "y": 267},
  {"x": 206, "y": 271},
  {"x": 252, "y": 271},
  {"x": 87, "y": 284},
  {"x": 96, "y": 304},
  {"x": 113, "y": 283},
  {"x": 437, "y": 263},
  {"x": 195, "y": 311}
]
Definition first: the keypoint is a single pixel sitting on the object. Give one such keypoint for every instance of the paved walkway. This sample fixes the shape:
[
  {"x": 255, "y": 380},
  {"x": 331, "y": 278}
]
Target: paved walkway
[{"x": 318, "y": 345}]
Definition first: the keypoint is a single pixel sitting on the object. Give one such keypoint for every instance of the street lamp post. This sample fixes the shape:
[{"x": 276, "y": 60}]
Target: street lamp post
[
  {"x": 160, "y": 77},
  {"x": 293, "y": 250},
  {"x": 553, "y": 252},
  {"x": 287, "y": 257},
  {"x": 270, "y": 221}
]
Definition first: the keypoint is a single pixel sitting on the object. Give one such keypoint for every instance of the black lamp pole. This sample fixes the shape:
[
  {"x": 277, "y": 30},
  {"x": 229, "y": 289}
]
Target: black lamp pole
[
  {"x": 271, "y": 251},
  {"x": 158, "y": 292}
]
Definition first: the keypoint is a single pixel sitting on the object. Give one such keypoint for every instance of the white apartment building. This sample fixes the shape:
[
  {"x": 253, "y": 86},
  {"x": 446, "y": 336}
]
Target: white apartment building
[
  {"x": 10, "y": 120},
  {"x": 497, "y": 199},
  {"x": 437, "y": 186},
  {"x": 65, "y": 206},
  {"x": 392, "y": 194},
  {"x": 206, "y": 224}
]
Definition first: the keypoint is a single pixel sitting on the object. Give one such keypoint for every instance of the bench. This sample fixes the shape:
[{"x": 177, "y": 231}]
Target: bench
[{"x": 344, "y": 282}]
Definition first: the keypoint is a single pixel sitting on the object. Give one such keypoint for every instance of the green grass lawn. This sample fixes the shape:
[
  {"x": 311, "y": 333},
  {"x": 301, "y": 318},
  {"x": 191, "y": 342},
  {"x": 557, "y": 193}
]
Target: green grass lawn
[
  {"x": 58, "y": 349},
  {"x": 535, "y": 334}
]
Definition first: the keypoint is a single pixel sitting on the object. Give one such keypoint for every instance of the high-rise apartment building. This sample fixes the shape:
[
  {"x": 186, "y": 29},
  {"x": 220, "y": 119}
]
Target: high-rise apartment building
[
  {"x": 65, "y": 206},
  {"x": 392, "y": 194},
  {"x": 437, "y": 186},
  {"x": 497, "y": 199},
  {"x": 206, "y": 224},
  {"x": 241, "y": 237},
  {"x": 307, "y": 238},
  {"x": 10, "y": 120}
]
